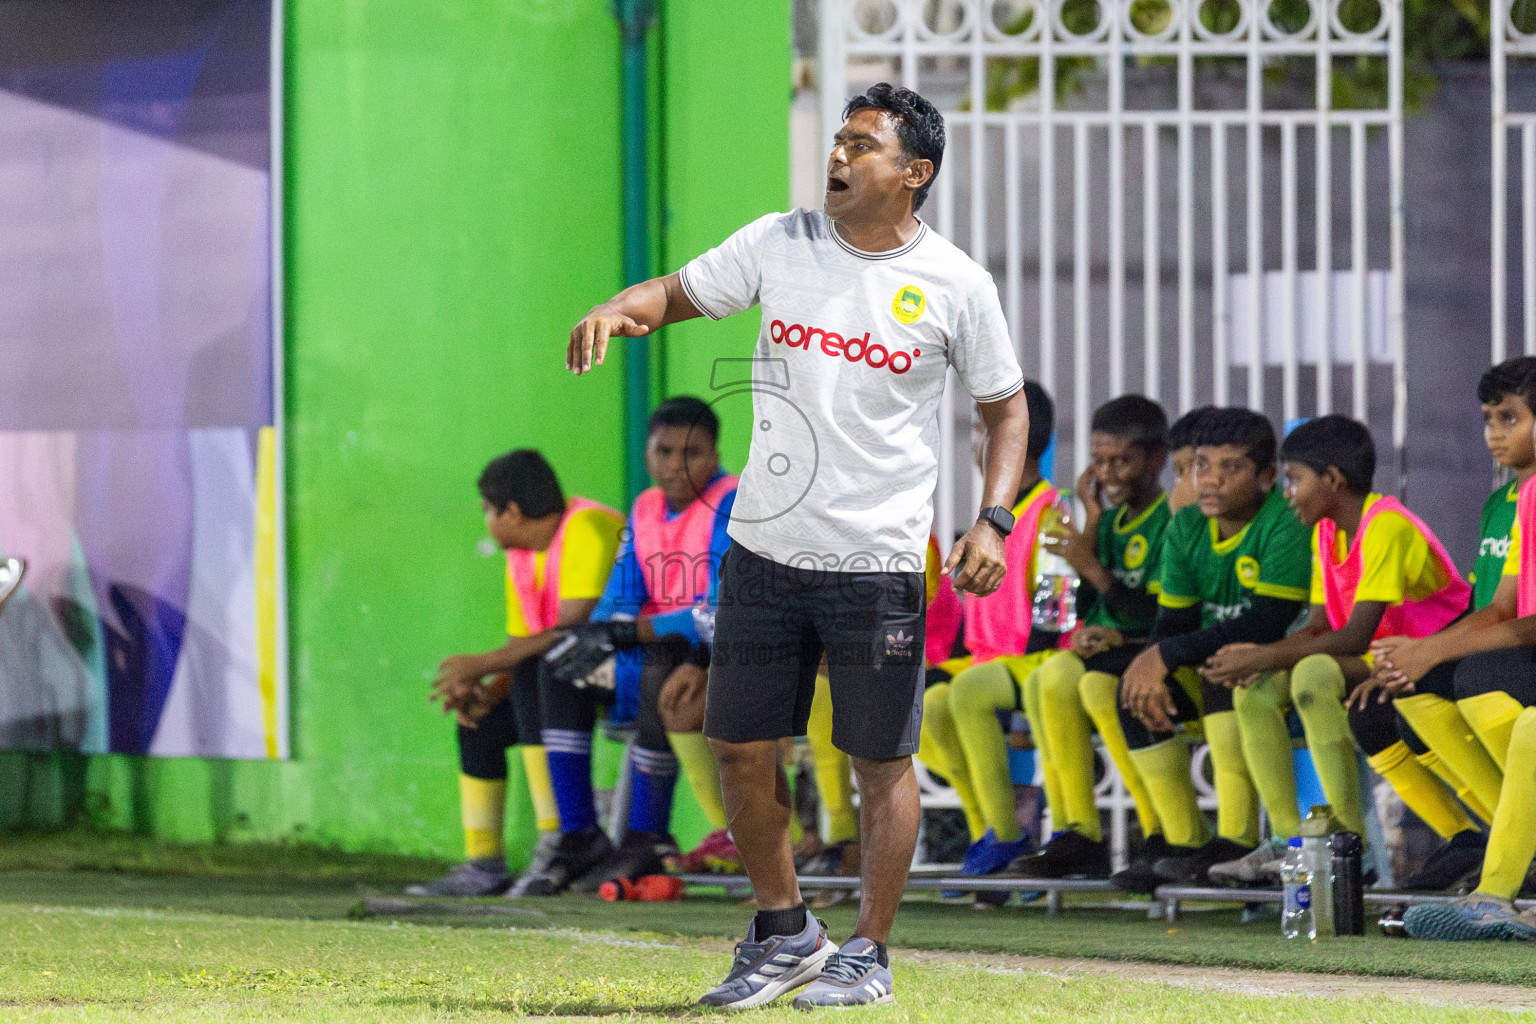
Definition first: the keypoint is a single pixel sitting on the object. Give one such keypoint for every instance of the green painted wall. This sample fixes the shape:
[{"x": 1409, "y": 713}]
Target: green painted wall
[
  {"x": 453, "y": 207},
  {"x": 726, "y": 163}
]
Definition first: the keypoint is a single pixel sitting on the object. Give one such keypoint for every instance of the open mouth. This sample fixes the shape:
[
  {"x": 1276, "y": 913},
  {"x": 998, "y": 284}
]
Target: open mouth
[{"x": 834, "y": 185}]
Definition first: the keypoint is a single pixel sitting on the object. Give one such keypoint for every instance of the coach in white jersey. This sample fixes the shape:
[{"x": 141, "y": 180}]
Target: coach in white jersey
[{"x": 864, "y": 309}]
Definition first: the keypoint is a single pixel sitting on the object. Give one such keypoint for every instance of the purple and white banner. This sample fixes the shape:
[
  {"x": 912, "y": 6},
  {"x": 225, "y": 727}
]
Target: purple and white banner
[{"x": 139, "y": 449}]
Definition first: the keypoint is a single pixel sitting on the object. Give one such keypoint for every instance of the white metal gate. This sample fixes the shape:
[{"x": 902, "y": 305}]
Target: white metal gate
[
  {"x": 1144, "y": 224},
  {"x": 1507, "y": 41},
  {"x": 1143, "y": 229}
]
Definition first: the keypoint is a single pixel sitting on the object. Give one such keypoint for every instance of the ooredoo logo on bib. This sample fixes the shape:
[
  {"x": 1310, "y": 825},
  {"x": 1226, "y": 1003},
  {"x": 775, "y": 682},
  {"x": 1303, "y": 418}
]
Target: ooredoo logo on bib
[{"x": 853, "y": 349}]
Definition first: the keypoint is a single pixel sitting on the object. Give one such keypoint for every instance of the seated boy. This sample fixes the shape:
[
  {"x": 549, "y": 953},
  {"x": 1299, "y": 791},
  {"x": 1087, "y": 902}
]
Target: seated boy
[
  {"x": 559, "y": 554},
  {"x": 962, "y": 738},
  {"x": 1495, "y": 686},
  {"x": 646, "y": 623},
  {"x": 1377, "y": 571},
  {"x": 1117, "y": 555},
  {"x": 1181, "y": 457},
  {"x": 1234, "y": 569},
  {"x": 1441, "y": 733}
]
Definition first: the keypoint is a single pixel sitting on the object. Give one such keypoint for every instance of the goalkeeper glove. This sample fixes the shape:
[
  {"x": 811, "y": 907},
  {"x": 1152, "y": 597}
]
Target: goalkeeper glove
[{"x": 586, "y": 647}]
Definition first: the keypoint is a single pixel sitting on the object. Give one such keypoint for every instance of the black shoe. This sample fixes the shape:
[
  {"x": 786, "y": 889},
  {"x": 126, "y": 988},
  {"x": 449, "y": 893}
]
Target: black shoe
[
  {"x": 639, "y": 855},
  {"x": 1450, "y": 864},
  {"x": 1068, "y": 855},
  {"x": 578, "y": 854},
  {"x": 1184, "y": 868},
  {"x": 1139, "y": 877}
]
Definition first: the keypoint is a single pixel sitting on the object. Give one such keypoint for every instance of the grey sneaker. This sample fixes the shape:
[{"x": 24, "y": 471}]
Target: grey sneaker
[
  {"x": 1471, "y": 918},
  {"x": 763, "y": 971},
  {"x": 851, "y": 977},
  {"x": 472, "y": 878},
  {"x": 1261, "y": 867},
  {"x": 543, "y": 855}
]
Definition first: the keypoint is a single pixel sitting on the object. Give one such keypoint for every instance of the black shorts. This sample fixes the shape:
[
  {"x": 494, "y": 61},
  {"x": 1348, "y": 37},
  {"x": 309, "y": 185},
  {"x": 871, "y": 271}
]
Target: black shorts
[{"x": 772, "y": 626}]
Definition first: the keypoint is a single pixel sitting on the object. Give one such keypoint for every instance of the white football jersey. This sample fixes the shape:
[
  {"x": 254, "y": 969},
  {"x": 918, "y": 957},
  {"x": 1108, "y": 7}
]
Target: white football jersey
[{"x": 847, "y": 374}]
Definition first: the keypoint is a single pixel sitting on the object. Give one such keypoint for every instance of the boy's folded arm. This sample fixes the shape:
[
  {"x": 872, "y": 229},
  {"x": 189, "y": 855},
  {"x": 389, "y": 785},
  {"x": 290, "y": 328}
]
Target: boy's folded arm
[
  {"x": 1353, "y": 640},
  {"x": 1265, "y": 622}
]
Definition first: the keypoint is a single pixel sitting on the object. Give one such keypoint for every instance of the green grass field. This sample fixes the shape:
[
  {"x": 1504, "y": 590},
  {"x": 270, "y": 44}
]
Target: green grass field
[{"x": 115, "y": 928}]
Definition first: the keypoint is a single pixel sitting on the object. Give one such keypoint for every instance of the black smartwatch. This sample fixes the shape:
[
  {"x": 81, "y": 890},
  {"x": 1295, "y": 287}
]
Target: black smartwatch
[{"x": 999, "y": 518}]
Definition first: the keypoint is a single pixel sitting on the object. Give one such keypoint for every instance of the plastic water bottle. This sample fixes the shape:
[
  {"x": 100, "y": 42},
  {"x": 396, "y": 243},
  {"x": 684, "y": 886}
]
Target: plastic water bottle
[
  {"x": 1055, "y": 601},
  {"x": 1297, "y": 919},
  {"x": 1315, "y": 830},
  {"x": 704, "y": 620}
]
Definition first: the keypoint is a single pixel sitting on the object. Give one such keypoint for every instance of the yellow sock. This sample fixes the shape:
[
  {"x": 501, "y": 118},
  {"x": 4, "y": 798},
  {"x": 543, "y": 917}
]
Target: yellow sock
[
  {"x": 701, "y": 771},
  {"x": 1049, "y": 773},
  {"x": 975, "y": 697},
  {"x": 1425, "y": 795},
  {"x": 1441, "y": 726},
  {"x": 1431, "y": 760},
  {"x": 1097, "y": 691},
  {"x": 1492, "y": 717},
  {"x": 939, "y": 748},
  {"x": 1059, "y": 721},
  {"x": 1164, "y": 767},
  {"x": 1512, "y": 840},
  {"x": 483, "y": 805},
  {"x": 1237, "y": 802},
  {"x": 1317, "y": 689},
  {"x": 1267, "y": 749},
  {"x": 834, "y": 770},
  {"x": 545, "y": 811}
]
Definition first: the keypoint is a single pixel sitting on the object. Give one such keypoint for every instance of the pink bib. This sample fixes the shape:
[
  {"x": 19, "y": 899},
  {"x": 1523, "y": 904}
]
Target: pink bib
[
  {"x": 1525, "y": 515},
  {"x": 673, "y": 554},
  {"x": 942, "y": 623},
  {"x": 1413, "y": 618},
  {"x": 540, "y": 605},
  {"x": 999, "y": 623}
]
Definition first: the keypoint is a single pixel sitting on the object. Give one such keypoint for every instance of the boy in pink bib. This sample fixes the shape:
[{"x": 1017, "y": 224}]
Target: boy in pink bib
[{"x": 1377, "y": 571}]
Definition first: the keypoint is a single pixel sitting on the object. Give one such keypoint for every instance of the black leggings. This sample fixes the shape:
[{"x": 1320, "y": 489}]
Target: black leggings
[
  {"x": 1213, "y": 700},
  {"x": 513, "y": 722},
  {"x": 564, "y": 706},
  {"x": 1509, "y": 669}
]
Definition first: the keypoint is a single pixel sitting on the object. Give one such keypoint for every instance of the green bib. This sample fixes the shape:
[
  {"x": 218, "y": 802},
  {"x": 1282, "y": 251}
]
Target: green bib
[
  {"x": 1270, "y": 557},
  {"x": 1131, "y": 551},
  {"x": 1498, "y": 518}
]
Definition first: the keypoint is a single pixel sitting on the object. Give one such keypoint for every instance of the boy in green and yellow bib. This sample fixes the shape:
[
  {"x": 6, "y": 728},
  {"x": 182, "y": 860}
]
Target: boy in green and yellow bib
[
  {"x": 1117, "y": 554},
  {"x": 1235, "y": 569}
]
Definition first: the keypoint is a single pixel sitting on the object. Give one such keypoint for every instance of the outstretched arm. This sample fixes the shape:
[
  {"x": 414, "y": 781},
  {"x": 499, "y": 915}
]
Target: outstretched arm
[{"x": 633, "y": 313}]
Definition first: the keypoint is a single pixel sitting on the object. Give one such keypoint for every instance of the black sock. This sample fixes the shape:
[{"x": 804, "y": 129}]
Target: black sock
[
  {"x": 881, "y": 955},
  {"x": 779, "y": 922}
]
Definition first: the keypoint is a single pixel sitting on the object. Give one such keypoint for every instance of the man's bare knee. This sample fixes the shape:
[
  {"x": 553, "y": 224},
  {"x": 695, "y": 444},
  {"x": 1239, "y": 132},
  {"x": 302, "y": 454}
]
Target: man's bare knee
[
  {"x": 877, "y": 775},
  {"x": 757, "y": 756}
]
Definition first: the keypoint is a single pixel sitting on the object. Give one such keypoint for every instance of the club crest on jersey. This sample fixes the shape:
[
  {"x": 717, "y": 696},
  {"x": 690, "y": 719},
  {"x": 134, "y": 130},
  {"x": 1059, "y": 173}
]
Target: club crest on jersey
[
  {"x": 909, "y": 304},
  {"x": 1248, "y": 572},
  {"x": 1135, "y": 552}
]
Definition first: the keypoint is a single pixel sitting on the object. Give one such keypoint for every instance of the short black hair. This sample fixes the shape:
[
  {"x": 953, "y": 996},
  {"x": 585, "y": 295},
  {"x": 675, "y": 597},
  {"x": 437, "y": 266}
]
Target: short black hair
[
  {"x": 1187, "y": 427},
  {"x": 525, "y": 477},
  {"x": 1242, "y": 427},
  {"x": 1515, "y": 376},
  {"x": 1042, "y": 419},
  {"x": 685, "y": 411},
  {"x": 1336, "y": 441},
  {"x": 1136, "y": 418},
  {"x": 919, "y": 126}
]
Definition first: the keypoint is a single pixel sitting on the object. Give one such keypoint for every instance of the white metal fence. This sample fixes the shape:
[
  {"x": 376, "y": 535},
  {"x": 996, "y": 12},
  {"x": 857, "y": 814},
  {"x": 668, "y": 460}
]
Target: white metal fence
[
  {"x": 1165, "y": 219},
  {"x": 1145, "y": 219},
  {"x": 1507, "y": 41}
]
